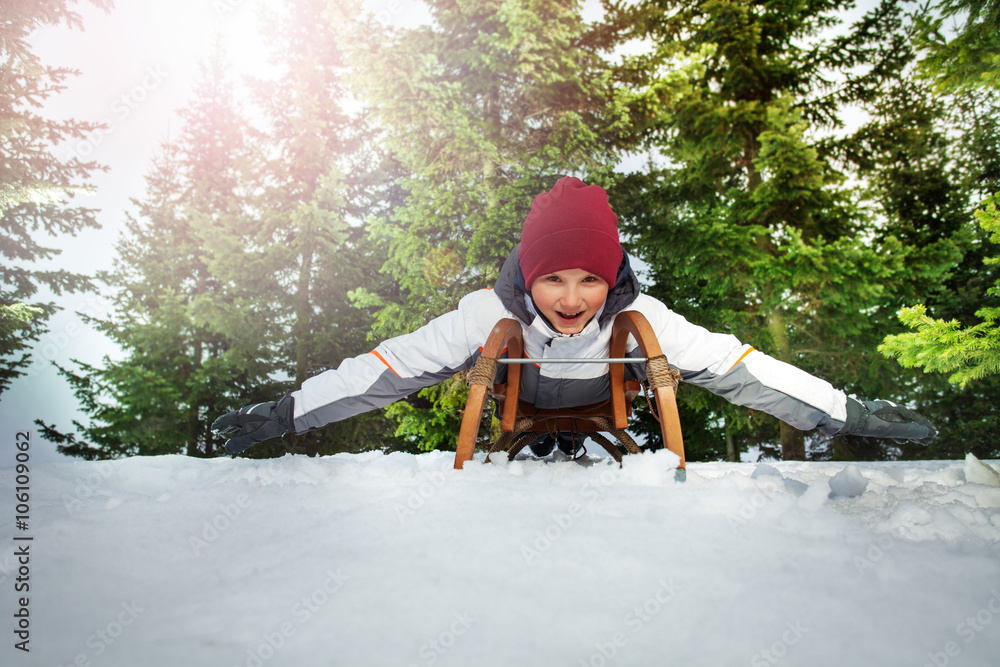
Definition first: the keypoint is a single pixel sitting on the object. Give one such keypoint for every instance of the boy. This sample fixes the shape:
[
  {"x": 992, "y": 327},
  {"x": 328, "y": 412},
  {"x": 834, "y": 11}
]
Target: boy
[{"x": 565, "y": 282}]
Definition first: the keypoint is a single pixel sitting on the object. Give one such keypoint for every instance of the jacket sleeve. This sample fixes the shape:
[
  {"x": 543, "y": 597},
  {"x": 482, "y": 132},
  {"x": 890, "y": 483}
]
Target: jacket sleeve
[
  {"x": 395, "y": 368},
  {"x": 743, "y": 375}
]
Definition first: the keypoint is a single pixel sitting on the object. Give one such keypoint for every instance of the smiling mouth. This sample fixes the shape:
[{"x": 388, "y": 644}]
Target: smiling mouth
[{"x": 569, "y": 316}]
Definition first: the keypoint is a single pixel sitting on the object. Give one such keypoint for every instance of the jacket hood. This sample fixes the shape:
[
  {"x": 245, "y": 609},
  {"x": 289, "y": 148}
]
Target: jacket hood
[{"x": 511, "y": 289}]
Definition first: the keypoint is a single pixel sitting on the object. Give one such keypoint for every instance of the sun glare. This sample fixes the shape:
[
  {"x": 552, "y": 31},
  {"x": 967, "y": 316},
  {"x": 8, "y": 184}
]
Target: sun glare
[{"x": 188, "y": 30}]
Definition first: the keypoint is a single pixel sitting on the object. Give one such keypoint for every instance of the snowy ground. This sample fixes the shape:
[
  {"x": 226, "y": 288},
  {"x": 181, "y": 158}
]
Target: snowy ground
[{"x": 400, "y": 560}]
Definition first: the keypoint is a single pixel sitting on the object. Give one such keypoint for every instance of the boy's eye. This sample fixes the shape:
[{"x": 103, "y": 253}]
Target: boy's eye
[
  {"x": 552, "y": 279},
  {"x": 590, "y": 279}
]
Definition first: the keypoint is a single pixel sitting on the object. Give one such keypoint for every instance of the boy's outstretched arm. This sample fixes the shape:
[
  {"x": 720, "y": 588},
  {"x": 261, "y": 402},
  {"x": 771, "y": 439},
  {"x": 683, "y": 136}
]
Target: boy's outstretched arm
[
  {"x": 394, "y": 369},
  {"x": 745, "y": 376}
]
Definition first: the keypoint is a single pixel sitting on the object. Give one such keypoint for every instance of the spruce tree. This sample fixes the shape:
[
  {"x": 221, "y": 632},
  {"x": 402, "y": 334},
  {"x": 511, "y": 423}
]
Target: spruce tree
[
  {"x": 179, "y": 369},
  {"x": 294, "y": 261},
  {"x": 747, "y": 217},
  {"x": 37, "y": 186},
  {"x": 970, "y": 58},
  {"x": 952, "y": 335},
  {"x": 483, "y": 108},
  {"x": 936, "y": 345}
]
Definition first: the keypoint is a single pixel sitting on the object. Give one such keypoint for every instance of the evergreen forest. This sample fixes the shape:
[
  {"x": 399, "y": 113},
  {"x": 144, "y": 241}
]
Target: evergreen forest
[{"x": 822, "y": 188}]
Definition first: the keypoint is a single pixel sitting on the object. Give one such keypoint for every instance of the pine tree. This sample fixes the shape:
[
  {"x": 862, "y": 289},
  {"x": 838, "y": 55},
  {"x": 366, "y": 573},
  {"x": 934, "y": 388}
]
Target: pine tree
[
  {"x": 748, "y": 220},
  {"x": 936, "y": 345},
  {"x": 971, "y": 58},
  {"x": 969, "y": 416},
  {"x": 489, "y": 104},
  {"x": 234, "y": 275},
  {"x": 178, "y": 370},
  {"x": 955, "y": 334},
  {"x": 37, "y": 187},
  {"x": 295, "y": 260}
]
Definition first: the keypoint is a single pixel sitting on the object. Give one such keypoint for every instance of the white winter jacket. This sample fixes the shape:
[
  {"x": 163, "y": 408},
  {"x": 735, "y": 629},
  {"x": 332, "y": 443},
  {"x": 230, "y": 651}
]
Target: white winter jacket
[{"x": 452, "y": 343}]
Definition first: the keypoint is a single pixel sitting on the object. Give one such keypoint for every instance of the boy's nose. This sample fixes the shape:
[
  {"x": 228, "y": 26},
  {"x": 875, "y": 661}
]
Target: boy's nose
[{"x": 571, "y": 297}]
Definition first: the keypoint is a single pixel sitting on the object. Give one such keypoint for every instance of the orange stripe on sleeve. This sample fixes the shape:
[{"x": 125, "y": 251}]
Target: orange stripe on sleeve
[
  {"x": 385, "y": 362},
  {"x": 752, "y": 349}
]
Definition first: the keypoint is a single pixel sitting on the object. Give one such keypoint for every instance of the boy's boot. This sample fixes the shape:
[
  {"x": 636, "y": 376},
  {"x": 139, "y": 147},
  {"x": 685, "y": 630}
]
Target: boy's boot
[{"x": 542, "y": 446}]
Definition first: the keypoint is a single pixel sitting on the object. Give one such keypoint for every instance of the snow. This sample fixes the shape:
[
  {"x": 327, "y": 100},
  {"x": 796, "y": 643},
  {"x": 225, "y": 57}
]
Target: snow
[
  {"x": 398, "y": 559},
  {"x": 848, "y": 483}
]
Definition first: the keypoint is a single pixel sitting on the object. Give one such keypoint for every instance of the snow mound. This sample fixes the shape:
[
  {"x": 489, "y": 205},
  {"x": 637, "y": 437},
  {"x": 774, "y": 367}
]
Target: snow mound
[
  {"x": 848, "y": 483},
  {"x": 398, "y": 559},
  {"x": 977, "y": 472}
]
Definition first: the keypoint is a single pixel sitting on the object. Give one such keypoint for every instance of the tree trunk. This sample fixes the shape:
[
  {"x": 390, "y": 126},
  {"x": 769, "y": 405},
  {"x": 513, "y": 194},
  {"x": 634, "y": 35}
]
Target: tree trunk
[
  {"x": 841, "y": 450},
  {"x": 489, "y": 184},
  {"x": 793, "y": 447},
  {"x": 731, "y": 454},
  {"x": 793, "y": 443},
  {"x": 303, "y": 313},
  {"x": 195, "y": 426}
]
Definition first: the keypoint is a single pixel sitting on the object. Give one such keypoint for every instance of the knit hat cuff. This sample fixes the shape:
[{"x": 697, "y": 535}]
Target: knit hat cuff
[{"x": 593, "y": 251}]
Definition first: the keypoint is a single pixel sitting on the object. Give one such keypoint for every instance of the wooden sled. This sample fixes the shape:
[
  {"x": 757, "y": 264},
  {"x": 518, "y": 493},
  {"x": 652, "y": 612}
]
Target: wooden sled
[{"x": 522, "y": 422}]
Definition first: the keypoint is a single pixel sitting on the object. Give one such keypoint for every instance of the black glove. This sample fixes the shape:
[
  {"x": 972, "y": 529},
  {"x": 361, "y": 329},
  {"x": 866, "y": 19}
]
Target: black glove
[
  {"x": 255, "y": 423},
  {"x": 884, "y": 419}
]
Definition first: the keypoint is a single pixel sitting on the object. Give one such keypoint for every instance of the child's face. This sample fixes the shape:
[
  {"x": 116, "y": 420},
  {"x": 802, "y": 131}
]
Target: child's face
[{"x": 569, "y": 298}]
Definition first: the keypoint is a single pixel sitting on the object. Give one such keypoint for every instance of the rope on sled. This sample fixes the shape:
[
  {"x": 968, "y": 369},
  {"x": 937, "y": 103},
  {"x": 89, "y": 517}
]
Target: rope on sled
[
  {"x": 659, "y": 374},
  {"x": 606, "y": 424},
  {"x": 484, "y": 372},
  {"x": 503, "y": 442}
]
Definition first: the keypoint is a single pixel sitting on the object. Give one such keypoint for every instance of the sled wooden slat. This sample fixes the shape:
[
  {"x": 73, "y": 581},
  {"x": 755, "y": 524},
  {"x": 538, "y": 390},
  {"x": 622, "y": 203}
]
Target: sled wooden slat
[
  {"x": 506, "y": 333},
  {"x": 634, "y": 323}
]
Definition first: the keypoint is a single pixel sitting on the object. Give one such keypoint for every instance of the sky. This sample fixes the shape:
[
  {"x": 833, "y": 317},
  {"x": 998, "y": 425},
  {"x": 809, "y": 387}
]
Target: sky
[{"x": 137, "y": 64}]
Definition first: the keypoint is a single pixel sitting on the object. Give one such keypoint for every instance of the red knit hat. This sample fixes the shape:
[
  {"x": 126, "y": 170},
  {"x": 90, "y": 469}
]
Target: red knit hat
[{"x": 570, "y": 227}]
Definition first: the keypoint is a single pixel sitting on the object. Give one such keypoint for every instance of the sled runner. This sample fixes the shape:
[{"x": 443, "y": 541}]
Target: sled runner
[{"x": 521, "y": 422}]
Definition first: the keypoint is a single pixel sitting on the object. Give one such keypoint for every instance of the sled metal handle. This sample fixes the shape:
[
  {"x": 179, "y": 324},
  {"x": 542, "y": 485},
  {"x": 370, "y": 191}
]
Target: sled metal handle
[{"x": 557, "y": 360}]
